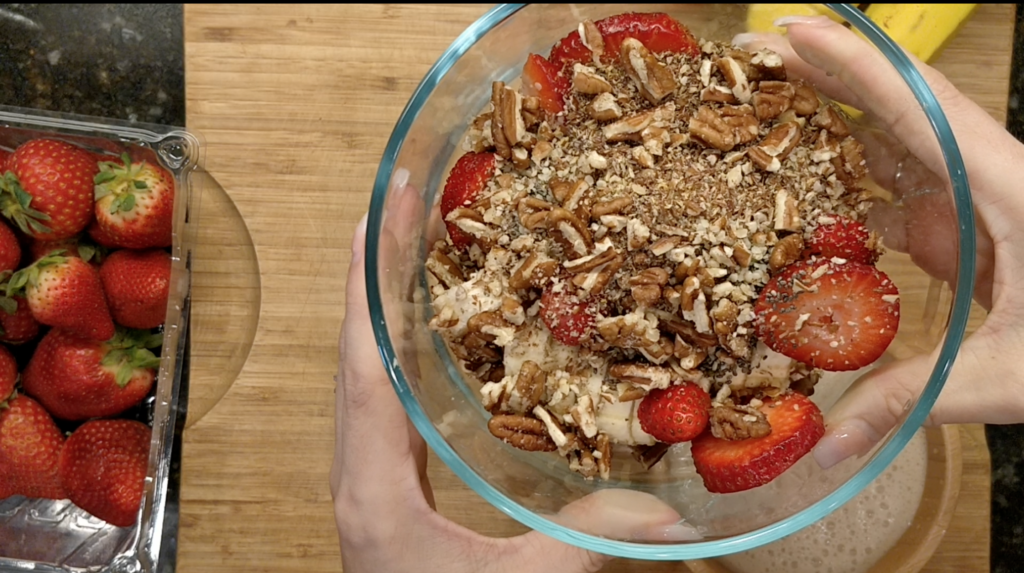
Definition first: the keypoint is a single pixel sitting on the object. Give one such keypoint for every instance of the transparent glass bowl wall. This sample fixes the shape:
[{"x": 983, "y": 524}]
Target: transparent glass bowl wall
[{"x": 532, "y": 488}]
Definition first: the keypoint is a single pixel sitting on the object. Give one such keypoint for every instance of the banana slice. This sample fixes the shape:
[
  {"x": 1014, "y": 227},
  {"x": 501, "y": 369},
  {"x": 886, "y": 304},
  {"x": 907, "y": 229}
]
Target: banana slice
[{"x": 619, "y": 422}]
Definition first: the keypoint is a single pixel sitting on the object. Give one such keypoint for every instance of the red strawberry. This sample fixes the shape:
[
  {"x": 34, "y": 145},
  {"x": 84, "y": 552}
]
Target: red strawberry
[
  {"x": 675, "y": 414},
  {"x": 134, "y": 205},
  {"x": 48, "y": 189},
  {"x": 76, "y": 378},
  {"x": 658, "y": 32},
  {"x": 30, "y": 446},
  {"x": 17, "y": 325},
  {"x": 845, "y": 239},
  {"x": 544, "y": 80},
  {"x": 103, "y": 467},
  {"x": 8, "y": 373},
  {"x": 568, "y": 317},
  {"x": 137, "y": 284},
  {"x": 465, "y": 182},
  {"x": 10, "y": 249},
  {"x": 78, "y": 246},
  {"x": 729, "y": 466},
  {"x": 829, "y": 315},
  {"x": 65, "y": 292}
]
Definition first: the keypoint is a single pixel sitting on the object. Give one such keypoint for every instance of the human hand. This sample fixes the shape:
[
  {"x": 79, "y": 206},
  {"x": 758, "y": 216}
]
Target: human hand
[
  {"x": 985, "y": 383},
  {"x": 384, "y": 506}
]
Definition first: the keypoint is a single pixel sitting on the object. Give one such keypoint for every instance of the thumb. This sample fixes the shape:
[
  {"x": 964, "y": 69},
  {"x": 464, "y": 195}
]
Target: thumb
[
  {"x": 982, "y": 387},
  {"x": 612, "y": 513}
]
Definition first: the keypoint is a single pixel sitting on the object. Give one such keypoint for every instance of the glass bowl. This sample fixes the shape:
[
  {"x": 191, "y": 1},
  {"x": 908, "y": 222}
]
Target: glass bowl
[{"x": 538, "y": 489}]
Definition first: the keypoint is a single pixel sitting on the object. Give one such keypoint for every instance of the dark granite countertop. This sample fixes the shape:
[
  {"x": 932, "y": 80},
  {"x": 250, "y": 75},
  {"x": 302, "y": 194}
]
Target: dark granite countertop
[{"x": 52, "y": 58}]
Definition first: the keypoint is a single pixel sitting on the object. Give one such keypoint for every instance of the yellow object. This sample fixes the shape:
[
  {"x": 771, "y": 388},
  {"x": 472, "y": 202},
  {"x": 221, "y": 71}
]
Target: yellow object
[
  {"x": 761, "y": 17},
  {"x": 921, "y": 29}
]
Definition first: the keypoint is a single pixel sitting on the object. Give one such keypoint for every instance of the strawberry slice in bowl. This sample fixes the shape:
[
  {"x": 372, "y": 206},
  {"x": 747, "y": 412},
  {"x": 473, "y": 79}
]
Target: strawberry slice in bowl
[
  {"x": 658, "y": 32},
  {"x": 544, "y": 80},
  {"x": 729, "y": 466},
  {"x": 832, "y": 315}
]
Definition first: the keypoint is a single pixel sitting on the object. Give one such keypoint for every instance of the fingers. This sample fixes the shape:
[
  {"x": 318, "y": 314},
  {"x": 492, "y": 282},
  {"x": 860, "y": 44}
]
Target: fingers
[
  {"x": 984, "y": 386},
  {"x": 375, "y": 458},
  {"x": 612, "y": 513}
]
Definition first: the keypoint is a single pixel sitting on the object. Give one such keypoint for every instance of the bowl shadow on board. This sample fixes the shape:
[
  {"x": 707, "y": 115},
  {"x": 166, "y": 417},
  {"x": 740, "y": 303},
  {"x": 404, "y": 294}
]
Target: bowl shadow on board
[
  {"x": 938, "y": 502},
  {"x": 225, "y": 299}
]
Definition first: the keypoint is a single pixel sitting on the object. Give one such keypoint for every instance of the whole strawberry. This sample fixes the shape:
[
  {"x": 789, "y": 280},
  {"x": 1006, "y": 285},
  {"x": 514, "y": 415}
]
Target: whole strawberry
[
  {"x": 30, "y": 446},
  {"x": 137, "y": 284},
  {"x": 47, "y": 190},
  {"x": 80, "y": 246},
  {"x": 8, "y": 373},
  {"x": 134, "y": 205},
  {"x": 76, "y": 378},
  {"x": 17, "y": 325},
  {"x": 103, "y": 468},
  {"x": 675, "y": 414},
  {"x": 65, "y": 292},
  {"x": 10, "y": 249}
]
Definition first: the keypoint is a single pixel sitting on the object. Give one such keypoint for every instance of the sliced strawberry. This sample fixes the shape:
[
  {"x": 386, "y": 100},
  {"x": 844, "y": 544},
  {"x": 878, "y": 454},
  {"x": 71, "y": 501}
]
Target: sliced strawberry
[
  {"x": 833, "y": 316},
  {"x": 567, "y": 316},
  {"x": 543, "y": 79},
  {"x": 846, "y": 239},
  {"x": 658, "y": 32},
  {"x": 736, "y": 465},
  {"x": 675, "y": 414},
  {"x": 465, "y": 182}
]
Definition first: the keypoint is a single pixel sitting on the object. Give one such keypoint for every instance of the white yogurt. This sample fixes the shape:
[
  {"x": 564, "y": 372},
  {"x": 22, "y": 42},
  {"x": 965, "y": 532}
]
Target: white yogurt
[{"x": 855, "y": 536}]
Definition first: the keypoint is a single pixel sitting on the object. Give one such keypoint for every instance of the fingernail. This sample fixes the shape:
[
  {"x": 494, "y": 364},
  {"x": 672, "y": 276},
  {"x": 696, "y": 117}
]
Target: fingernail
[
  {"x": 819, "y": 21},
  {"x": 675, "y": 532},
  {"x": 747, "y": 38},
  {"x": 400, "y": 179},
  {"x": 359, "y": 240},
  {"x": 846, "y": 439}
]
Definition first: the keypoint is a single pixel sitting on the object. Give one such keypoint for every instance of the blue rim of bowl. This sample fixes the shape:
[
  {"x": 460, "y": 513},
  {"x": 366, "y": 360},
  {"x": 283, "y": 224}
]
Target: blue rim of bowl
[{"x": 705, "y": 549}]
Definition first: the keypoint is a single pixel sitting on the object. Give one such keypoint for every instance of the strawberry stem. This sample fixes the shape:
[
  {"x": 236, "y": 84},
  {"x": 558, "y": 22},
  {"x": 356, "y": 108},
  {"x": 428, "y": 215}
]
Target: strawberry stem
[
  {"x": 122, "y": 180},
  {"x": 16, "y": 206},
  {"x": 128, "y": 350}
]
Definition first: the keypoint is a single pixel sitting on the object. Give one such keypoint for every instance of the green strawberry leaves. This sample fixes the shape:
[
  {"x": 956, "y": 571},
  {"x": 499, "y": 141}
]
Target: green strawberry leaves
[
  {"x": 30, "y": 275},
  {"x": 122, "y": 180},
  {"x": 129, "y": 350},
  {"x": 16, "y": 206}
]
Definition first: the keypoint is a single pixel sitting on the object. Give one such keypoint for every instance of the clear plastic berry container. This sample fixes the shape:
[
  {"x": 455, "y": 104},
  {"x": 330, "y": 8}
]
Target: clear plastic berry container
[
  {"x": 57, "y": 536},
  {"x": 444, "y": 403}
]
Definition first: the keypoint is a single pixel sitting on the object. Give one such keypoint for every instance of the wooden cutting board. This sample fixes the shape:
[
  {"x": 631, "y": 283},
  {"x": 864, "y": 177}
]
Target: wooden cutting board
[{"x": 296, "y": 103}]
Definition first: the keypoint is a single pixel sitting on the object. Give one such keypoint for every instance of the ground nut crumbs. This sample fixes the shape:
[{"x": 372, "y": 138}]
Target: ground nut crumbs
[{"x": 662, "y": 198}]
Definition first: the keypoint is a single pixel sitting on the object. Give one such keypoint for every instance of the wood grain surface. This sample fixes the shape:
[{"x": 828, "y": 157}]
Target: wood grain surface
[{"x": 295, "y": 103}]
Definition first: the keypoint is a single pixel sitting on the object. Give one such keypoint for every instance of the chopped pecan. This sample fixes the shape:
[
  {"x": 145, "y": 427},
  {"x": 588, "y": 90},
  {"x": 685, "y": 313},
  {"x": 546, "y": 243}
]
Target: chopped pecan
[
  {"x": 475, "y": 349},
  {"x": 769, "y": 106},
  {"x": 718, "y": 94},
  {"x": 586, "y": 80},
  {"x": 529, "y": 386},
  {"x": 603, "y": 453},
  {"x": 584, "y": 415},
  {"x": 444, "y": 269},
  {"x": 533, "y": 212},
  {"x": 472, "y": 222},
  {"x": 611, "y": 207},
  {"x": 775, "y": 147},
  {"x": 829, "y": 119},
  {"x": 570, "y": 232},
  {"x": 664, "y": 245},
  {"x": 604, "y": 108},
  {"x": 731, "y": 422},
  {"x": 652, "y": 77},
  {"x": 512, "y": 121},
  {"x": 805, "y": 98},
  {"x": 767, "y": 65},
  {"x": 745, "y": 128},
  {"x": 595, "y": 279},
  {"x": 689, "y": 356},
  {"x": 488, "y": 324},
  {"x": 501, "y": 144},
  {"x": 741, "y": 255},
  {"x": 851, "y": 166},
  {"x": 644, "y": 376},
  {"x": 628, "y": 331},
  {"x": 710, "y": 129},
  {"x": 786, "y": 251},
  {"x": 688, "y": 332},
  {"x": 591, "y": 37},
  {"x": 528, "y": 434},
  {"x": 630, "y": 128},
  {"x": 541, "y": 151},
  {"x": 569, "y": 193},
  {"x": 724, "y": 315},
  {"x": 649, "y": 456},
  {"x": 590, "y": 262},
  {"x": 735, "y": 78},
  {"x": 787, "y": 212},
  {"x": 535, "y": 271}
]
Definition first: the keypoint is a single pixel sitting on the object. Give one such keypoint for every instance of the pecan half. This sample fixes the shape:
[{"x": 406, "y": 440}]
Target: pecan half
[
  {"x": 591, "y": 37},
  {"x": 534, "y": 271},
  {"x": 530, "y": 386},
  {"x": 444, "y": 269},
  {"x": 501, "y": 144},
  {"x": 767, "y": 65},
  {"x": 652, "y": 77},
  {"x": 787, "y": 212},
  {"x": 630, "y": 128},
  {"x": 805, "y": 98},
  {"x": 611, "y": 207},
  {"x": 528, "y": 434},
  {"x": 829, "y": 119},
  {"x": 735, "y": 78},
  {"x": 776, "y": 146},
  {"x": 570, "y": 232},
  {"x": 643, "y": 375}
]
